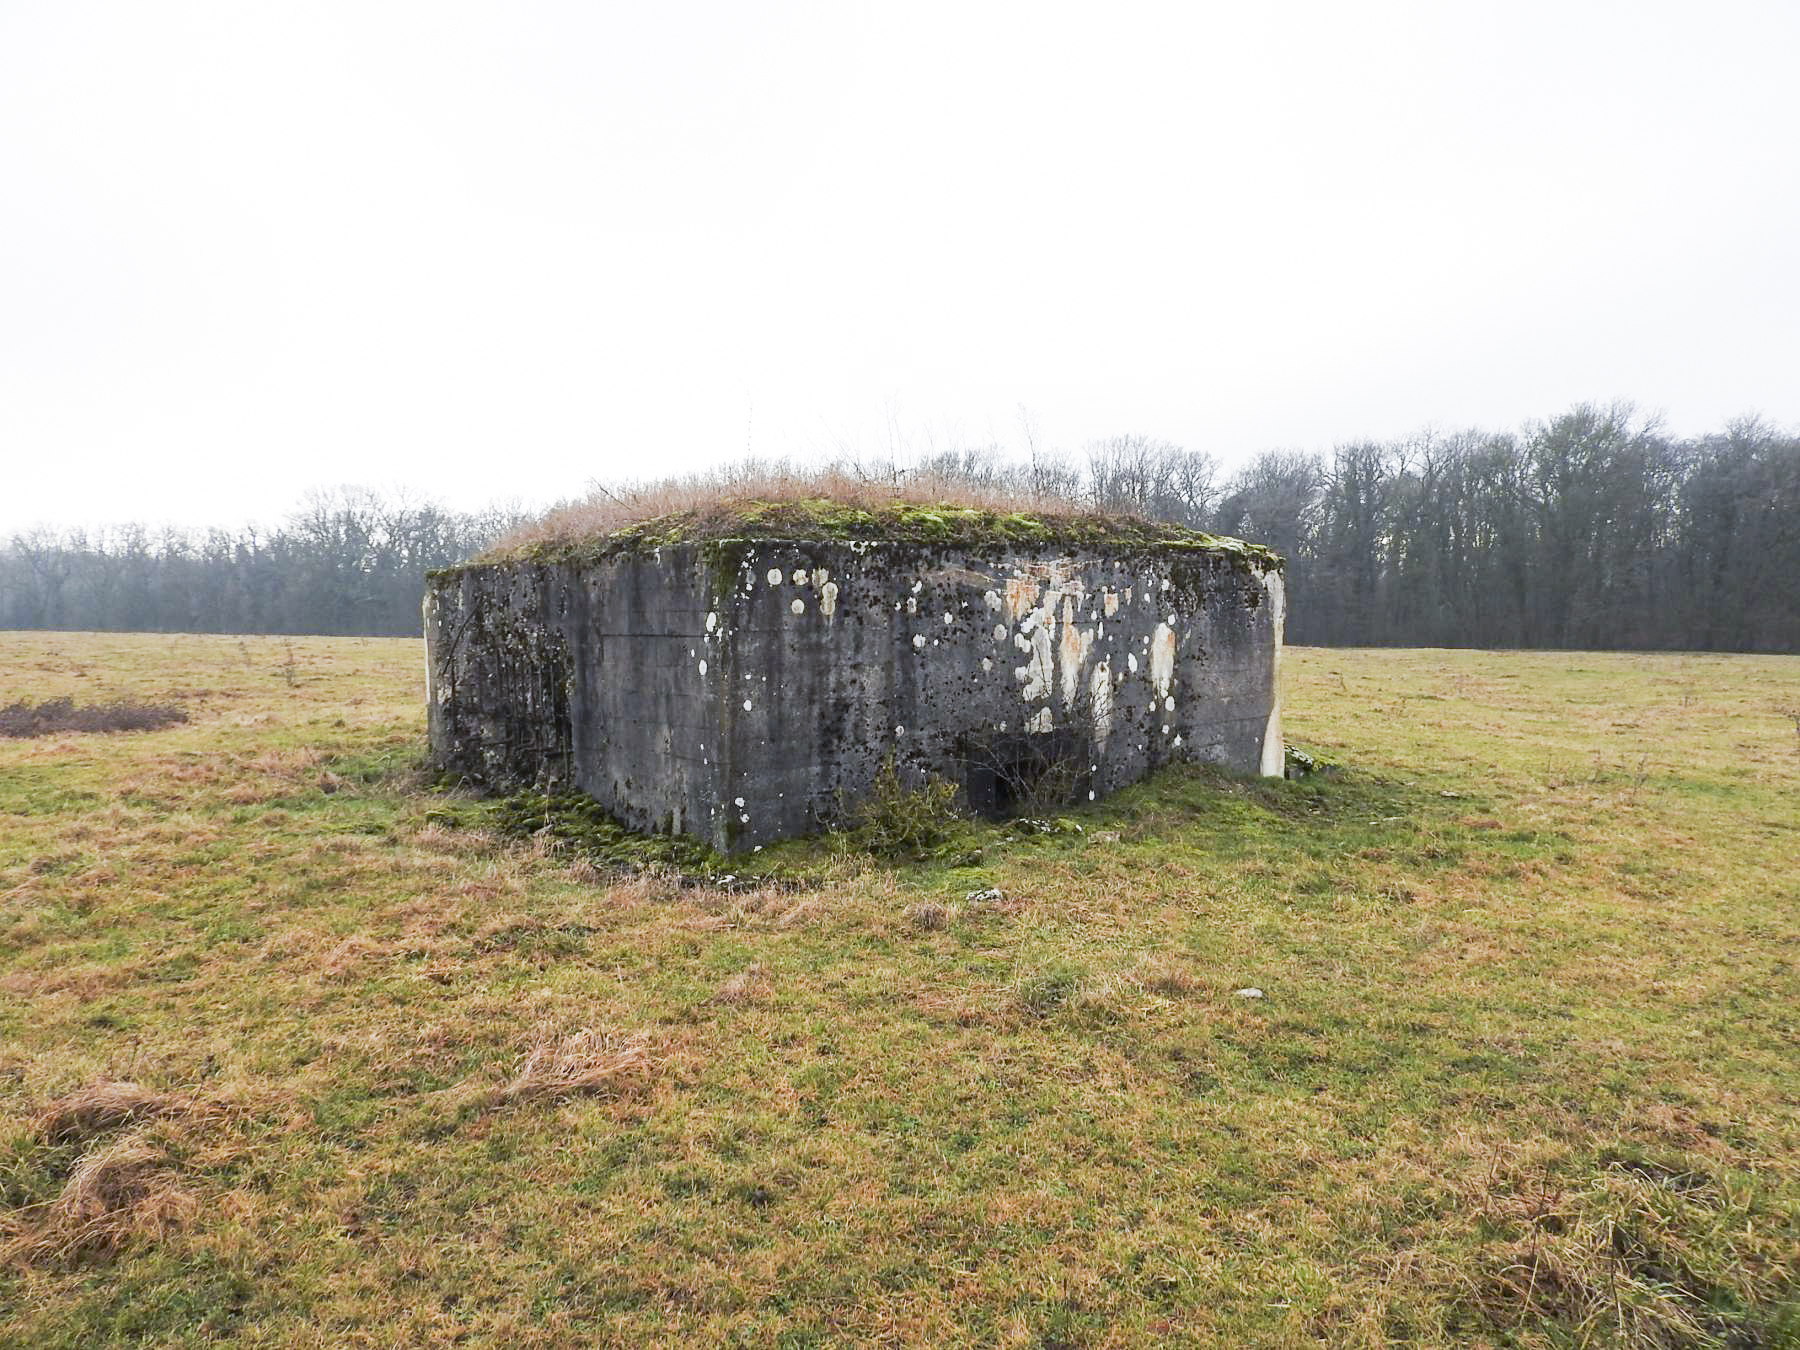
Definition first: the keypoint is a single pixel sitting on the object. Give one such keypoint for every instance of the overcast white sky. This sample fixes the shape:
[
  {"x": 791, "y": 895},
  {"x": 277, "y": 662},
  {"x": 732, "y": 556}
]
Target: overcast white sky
[{"x": 494, "y": 251}]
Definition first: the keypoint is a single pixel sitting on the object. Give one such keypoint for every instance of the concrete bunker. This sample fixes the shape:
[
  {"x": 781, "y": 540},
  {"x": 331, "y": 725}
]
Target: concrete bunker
[{"x": 750, "y": 685}]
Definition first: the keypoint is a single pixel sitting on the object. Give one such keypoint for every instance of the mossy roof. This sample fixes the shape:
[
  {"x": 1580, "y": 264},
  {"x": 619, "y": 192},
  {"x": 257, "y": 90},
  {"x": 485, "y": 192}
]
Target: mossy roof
[{"x": 937, "y": 526}]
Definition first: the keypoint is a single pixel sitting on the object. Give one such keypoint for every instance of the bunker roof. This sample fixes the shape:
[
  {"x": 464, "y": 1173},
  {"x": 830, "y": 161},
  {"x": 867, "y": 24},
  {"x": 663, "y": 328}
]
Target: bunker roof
[{"x": 933, "y": 525}]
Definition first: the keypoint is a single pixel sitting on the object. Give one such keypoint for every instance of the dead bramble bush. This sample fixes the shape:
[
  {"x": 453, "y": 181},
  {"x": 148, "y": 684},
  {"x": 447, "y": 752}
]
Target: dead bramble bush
[{"x": 56, "y": 715}]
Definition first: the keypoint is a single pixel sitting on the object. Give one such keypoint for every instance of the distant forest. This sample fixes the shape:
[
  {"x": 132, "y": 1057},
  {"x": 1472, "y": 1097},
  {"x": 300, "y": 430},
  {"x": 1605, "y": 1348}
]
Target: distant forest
[{"x": 1592, "y": 530}]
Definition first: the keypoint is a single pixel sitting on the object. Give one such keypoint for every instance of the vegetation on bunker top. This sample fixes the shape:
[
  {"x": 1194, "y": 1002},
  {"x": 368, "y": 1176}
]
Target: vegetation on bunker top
[{"x": 926, "y": 524}]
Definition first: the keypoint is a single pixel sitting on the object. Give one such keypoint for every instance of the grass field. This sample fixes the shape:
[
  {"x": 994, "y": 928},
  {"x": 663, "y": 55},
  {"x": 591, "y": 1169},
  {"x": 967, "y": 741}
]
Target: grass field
[{"x": 296, "y": 1051}]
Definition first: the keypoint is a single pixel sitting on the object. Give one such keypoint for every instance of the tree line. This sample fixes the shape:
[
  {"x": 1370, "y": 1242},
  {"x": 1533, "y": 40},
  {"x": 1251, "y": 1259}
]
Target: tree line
[
  {"x": 349, "y": 561},
  {"x": 1591, "y": 530}
]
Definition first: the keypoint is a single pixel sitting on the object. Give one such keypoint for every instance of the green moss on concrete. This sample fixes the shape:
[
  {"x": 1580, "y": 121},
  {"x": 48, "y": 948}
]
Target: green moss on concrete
[
  {"x": 581, "y": 825},
  {"x": 939, "y": 526}
]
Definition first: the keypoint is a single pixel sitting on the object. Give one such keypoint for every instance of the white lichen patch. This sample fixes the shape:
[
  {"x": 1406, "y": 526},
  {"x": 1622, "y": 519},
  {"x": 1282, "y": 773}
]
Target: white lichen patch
[
  {"x": 1036, "y": 673},
  {"x": 799, "y": 576},
  {"x": 828, "y": 594},
  {"x": 999, "y": 632},
  {"x": 712, "y": 621},
  {"x": 918, "y": 642},
  {"x": 991, "y": 599},
  {"x": 1022, "y": 596},
  {"x": 1100, "y": 693},
  {"x": 1041, "y": 722},
  {"x": 1073, "y": 649},
  {"x": 1162, "y": 658},
  {"x": 774, "y": 576},
  {"x": 798, "y": 606},
  {"x": 703, "y": 667}
]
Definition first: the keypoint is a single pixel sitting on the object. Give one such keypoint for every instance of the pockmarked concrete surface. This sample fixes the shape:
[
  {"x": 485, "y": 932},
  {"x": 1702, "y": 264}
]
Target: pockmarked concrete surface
[{"x": 744, "y": 691}]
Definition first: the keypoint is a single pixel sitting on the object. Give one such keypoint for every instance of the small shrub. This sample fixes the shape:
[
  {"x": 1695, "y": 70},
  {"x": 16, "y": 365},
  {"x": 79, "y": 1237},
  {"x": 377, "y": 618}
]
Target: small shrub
[
  {"x": 57, "y": 715},
  {"x": 895, "y": 820}
]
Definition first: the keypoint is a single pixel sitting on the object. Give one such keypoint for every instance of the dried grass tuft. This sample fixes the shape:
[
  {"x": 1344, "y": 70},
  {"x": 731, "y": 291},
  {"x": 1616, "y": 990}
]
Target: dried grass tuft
[
  {"x": 801, "y": 913},
  {"x": 101, "y": 1107},
  {"x": 345, "y": 959},
  {"x": 745, "y": 986},
  {"x": 128, "y": 1189},
  {"x": 1161, "y": 975},
  {"x": 585, "y": 1063},
  {"x": 132, "y": 1186},
  {"x": 928, "y": 915},
  {"x": 584, "y": 873}
]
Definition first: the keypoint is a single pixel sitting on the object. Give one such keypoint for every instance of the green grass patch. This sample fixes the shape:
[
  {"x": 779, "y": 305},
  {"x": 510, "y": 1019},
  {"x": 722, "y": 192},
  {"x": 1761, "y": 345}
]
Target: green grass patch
[{"x": 297, "y": 1048}]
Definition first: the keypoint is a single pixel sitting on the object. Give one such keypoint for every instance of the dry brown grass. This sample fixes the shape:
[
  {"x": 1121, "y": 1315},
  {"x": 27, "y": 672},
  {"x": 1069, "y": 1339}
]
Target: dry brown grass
[
  {"x": 583, "y": 1063},
  {"x": 99, "y": 1107},
  {"x": 718, "y": 494},
  {"x": 747, "y": 986},
  {"x": 138, "y": 1175},
  {"x": 928, "y": 915},
  {"x": 130, "y": 1188},
  {"x": 1165, "y": 976}
]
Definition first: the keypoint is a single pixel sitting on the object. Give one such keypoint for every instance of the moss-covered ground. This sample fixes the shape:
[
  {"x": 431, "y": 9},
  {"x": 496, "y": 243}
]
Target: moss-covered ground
[{"x": 296, "y": 1050}]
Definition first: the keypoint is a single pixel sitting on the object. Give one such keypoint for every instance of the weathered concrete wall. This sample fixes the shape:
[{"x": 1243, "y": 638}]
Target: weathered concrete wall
[{"x": 745, "y": 691}]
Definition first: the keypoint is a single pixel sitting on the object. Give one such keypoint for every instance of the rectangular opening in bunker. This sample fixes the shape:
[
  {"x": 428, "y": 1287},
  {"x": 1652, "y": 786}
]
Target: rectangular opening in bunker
[{"x": 1014, "y": 774}]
